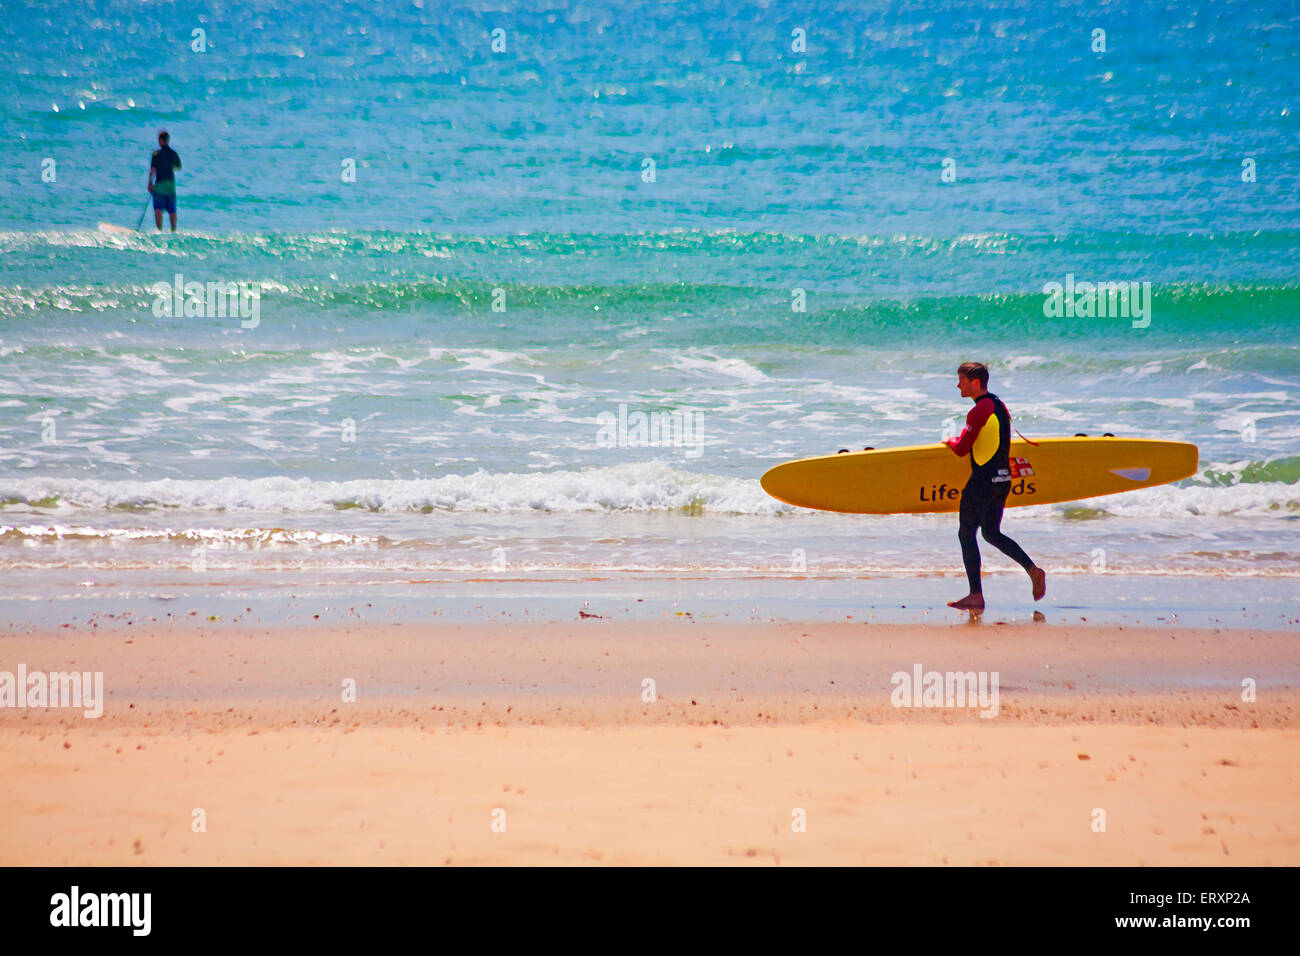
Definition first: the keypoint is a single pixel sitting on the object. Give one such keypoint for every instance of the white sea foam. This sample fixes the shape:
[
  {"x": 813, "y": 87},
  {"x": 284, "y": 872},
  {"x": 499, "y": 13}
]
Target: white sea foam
[
  {"x": 1251, "y": 499},
  {"x": 629, "y": 487},
  {"x": 697, "y": 361},
  {"x": 632, "y": 487},
  {"x": 205, "y": 536}
]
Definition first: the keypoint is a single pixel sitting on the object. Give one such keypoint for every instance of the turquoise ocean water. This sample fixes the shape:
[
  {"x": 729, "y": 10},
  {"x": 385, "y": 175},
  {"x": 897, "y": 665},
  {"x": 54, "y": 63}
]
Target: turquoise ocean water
[{"x": 462, "y": 265}]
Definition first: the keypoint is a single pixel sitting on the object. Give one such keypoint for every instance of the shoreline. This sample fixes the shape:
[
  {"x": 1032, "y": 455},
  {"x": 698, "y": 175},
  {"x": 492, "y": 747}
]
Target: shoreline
[{"x": 286, "y": 599}]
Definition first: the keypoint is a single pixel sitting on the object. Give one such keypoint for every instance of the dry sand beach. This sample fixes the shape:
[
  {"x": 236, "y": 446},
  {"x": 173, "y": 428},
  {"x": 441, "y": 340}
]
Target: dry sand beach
[{"x": 543, "y": 730}]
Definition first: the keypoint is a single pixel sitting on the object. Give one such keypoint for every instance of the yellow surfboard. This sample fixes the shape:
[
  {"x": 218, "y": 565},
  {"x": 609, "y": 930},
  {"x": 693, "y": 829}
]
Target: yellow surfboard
[{"x": 919, "y": 479}]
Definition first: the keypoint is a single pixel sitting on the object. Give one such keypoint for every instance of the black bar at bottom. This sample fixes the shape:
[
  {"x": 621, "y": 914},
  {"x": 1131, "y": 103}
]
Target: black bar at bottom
[{"x": 332, "y": 905}]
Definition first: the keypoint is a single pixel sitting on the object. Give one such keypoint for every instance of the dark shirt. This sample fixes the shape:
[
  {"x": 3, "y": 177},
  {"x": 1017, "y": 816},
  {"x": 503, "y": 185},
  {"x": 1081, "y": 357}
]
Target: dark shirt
[{"x": 164, "y": 163}]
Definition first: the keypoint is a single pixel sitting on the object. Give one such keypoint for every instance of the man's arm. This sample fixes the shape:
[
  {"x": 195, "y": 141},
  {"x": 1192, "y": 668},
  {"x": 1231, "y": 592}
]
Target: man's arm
[
  {"x": 975, "y": 419},
  {"x": 152, "y": 170}
]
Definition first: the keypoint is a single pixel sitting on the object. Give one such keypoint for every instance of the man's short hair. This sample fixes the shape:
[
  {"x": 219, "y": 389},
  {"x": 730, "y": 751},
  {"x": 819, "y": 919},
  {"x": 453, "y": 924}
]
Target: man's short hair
[
  {"x": 162, "y": 135},
  {"x": 976, "y": 372}
]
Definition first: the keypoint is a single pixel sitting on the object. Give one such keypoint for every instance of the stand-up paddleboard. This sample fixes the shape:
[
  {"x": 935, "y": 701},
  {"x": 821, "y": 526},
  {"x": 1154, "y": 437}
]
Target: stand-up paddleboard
[{"x": 918, "y": 479}]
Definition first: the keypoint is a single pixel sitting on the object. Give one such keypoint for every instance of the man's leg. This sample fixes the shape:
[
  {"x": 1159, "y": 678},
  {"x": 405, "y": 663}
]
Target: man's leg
[
  {"x": 971, "y": 514},
  {"x": 173, "y": 219},
  {"x": 991, "y": 527},
  {"x": 157, "y": 218}
]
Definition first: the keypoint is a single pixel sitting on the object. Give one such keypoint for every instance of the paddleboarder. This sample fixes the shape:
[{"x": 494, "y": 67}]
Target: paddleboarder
[
  {"x": 162, "y": 180},
  {"x": 987, "y": 439}
]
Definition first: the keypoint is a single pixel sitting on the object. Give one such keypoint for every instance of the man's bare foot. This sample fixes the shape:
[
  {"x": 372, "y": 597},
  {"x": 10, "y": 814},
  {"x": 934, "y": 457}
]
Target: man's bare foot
[
  {"x": 1039, "y": 577},
  {"x": 971, "y": 602}
]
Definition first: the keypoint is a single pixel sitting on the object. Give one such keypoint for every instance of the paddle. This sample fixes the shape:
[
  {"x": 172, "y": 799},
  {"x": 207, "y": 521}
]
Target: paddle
[{"x": 147, "y": 204}]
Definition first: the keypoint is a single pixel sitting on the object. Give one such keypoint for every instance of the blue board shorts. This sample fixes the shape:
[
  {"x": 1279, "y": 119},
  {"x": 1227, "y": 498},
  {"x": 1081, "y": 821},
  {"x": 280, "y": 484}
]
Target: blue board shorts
[{"x": 164, "y": 203}]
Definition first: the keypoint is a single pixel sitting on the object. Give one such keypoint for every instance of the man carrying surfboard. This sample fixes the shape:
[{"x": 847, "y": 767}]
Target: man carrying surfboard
[
  {"x": 987, "y": 439},
  {"x": 162, "y": 180}
]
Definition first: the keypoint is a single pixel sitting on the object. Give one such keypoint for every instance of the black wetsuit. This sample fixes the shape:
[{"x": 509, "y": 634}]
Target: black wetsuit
[{"x": 987, "y": 439}]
